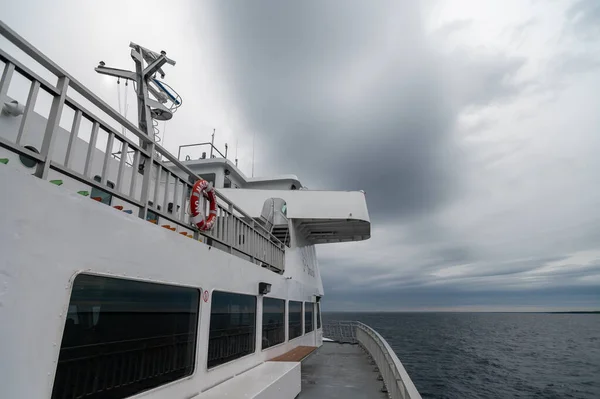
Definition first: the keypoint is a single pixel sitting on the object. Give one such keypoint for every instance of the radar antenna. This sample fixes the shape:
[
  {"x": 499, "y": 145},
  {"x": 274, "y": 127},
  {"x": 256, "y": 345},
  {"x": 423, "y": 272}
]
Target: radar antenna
[{"x": 157, "y": 101}]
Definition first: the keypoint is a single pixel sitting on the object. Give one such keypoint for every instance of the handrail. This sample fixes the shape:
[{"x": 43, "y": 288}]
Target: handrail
[
  {"x": 397, "y": 382},
  {"x": 171, "y": 180},
  {"x": 395, "y": 377},
  {"x": 51, "y": 66},
  {"x": 200, "y": 145}
]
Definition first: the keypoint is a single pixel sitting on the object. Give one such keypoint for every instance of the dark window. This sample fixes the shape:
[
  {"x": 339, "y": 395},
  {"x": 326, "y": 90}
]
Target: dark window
[
  {"x": 273, "y": 322},
  {"x": 232, "y": 327},
  {"x": 295, "y": 319},
  {"x": 308, "y": 316},
  {"x": 227, "y": 183},
  {"x": 101, "y": 195},
  {"x": 318, "y": 315},
  {"x": 123, "y": 337}
]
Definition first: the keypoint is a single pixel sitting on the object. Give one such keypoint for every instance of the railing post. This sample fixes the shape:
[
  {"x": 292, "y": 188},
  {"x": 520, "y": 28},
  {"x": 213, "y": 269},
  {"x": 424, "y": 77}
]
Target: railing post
[
  {"x": 253, "y": 241},
  {"x": 230, "y": 232},
  {"x": 87, "y": 170},
  {"x": 147, "y": 172},
  {"x": 58, "y": 102},
  {"x": 29, "y": 107},
  {"x": 7, "y": 74},
  {"x": 72, "y": 138}
]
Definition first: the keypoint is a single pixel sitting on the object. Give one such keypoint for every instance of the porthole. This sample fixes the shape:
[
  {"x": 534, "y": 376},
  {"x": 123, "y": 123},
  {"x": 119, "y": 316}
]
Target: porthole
[{"x": 29, "y": 162}]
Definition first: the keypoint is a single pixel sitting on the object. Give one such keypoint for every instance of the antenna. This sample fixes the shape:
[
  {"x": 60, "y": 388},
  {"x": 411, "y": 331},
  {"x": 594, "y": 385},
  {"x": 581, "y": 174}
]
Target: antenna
[
  {"x": 147, "y": 64},
  {"x": 236, "y": 149},
  {"x": 212, "y": 143}
]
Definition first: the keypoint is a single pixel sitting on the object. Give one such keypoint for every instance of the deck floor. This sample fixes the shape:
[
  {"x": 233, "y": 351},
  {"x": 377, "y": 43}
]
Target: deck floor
[{"x": 339, "y": 371}]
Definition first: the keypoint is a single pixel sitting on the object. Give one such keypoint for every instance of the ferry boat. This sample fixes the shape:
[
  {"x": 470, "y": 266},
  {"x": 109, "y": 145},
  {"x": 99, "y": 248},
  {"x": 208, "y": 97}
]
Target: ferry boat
[{"x": 127, "y": 272}]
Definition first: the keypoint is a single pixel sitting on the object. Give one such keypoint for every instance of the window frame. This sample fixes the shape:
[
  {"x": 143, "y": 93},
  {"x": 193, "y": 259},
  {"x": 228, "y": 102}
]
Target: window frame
[
  {"x": 196, "y": 331},
  {"x": 319, "y": 322},
  {"x": 285, "y": 327},
  {"x": 207, "y": 340},
  {"x": 312, "y": 319},
  {"x": 301, "y": 319}
]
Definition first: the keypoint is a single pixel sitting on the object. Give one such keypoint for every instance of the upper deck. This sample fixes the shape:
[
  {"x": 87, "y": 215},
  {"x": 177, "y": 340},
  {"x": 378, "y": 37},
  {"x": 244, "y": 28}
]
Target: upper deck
[{"x": 89, "y": 148}]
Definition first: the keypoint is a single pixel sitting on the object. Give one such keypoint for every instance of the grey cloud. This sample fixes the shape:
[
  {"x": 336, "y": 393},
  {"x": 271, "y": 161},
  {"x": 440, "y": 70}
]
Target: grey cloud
[
  {"x": 519, "y": 32},
  {"x": 441, "y": 298},
  {"x": 569, "y": 63},
  {"x": 584, "y": 16},
  {"x": 385, "y": 128},
  {"x": 453, "y": 27},
  {"x": 352, "y": 96}
]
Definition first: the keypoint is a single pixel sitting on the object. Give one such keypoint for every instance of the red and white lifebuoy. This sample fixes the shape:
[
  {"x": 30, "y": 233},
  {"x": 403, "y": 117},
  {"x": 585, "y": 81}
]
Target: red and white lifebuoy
[{"x": 202, "y": 188}]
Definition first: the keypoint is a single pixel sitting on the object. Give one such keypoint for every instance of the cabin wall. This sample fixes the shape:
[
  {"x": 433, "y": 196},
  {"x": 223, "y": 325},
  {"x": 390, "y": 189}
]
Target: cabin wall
[{"x": 49, "y": 235}]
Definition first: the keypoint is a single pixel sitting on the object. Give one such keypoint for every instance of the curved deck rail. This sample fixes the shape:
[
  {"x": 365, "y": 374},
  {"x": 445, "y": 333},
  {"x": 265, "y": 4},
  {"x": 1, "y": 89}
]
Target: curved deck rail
[{"x": 396, "y": 380}]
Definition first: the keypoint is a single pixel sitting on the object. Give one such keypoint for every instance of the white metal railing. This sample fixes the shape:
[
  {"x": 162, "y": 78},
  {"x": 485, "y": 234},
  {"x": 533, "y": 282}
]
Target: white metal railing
[
  {"x": 235, "y": 231},
  {"x": 397, "y": 382}
]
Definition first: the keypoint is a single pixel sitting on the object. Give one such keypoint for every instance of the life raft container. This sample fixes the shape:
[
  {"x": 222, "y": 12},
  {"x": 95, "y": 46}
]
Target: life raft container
[{"x": 202, "y": 188}]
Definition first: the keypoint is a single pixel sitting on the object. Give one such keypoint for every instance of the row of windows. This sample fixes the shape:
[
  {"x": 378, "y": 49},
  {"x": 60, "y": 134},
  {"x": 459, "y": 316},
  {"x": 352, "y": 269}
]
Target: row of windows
[
  {"x": 123, "y": 337},
  {"x": 233, "y": 319}
]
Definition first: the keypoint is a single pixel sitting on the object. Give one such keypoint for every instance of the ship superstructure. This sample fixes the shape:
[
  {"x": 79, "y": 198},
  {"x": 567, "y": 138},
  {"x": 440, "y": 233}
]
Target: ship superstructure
[{"x": 107, "y": 287}]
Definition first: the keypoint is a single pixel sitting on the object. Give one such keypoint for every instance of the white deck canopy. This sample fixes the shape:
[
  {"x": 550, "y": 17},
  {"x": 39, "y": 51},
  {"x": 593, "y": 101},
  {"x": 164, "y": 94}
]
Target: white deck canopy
[{"x": 323, "y": 216}]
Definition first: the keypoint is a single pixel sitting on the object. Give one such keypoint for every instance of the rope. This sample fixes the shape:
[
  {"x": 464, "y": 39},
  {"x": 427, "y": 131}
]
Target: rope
[
  {"x": 119, "y": 94},
  {"x": 126, "y": 103}
]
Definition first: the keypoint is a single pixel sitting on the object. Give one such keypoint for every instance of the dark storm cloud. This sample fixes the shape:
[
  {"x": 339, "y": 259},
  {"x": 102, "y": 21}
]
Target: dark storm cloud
[
  {"x": 356, "y": 95},
  {"x": 350, "y": 95}
]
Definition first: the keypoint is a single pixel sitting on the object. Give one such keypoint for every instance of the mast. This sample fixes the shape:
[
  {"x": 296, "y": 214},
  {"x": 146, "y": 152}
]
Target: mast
[
  {"x": 147, "y": 64},
  {"x": 159, "y": 107}
]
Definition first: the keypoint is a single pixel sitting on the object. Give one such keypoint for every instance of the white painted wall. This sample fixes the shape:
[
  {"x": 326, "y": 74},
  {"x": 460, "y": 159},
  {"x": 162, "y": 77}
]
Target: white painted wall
[
  {"x": 49, "y": 235},
  {"x": 305, "y": 204}
]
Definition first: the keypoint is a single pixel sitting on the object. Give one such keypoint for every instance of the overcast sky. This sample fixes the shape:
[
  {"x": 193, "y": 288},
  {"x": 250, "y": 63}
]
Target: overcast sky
[{"x": 473, "y": 126}]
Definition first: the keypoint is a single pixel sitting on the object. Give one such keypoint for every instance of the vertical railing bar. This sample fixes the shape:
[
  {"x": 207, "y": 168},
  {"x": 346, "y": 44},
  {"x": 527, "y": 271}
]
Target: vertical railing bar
[
  {"x": 134, "y": 173},
  {"x": 72, "y": 137},
  {"x": 52, "y": 126},
  {"x": 29, "y": 106},
  {"x": 157, "y": 184},
  {"x": 222, "y": 225},
  {"x": 175, "y": 196},
  {"x": 166, "y": 196},
  {"x": 91, "y": 148},
  {"x": 226, "y": 227},
  {"x": 107, "y": 155},
  {"x": 183, "y": 200},
  {"x": 253, "y": 244},
  {"x": 230, "y": 228},
  {"x": 219, "y": 224},
  {"x": 122, "y": 164},
  {"x": 7, "y": 74},
  {"x": 149, "y": 162}
]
